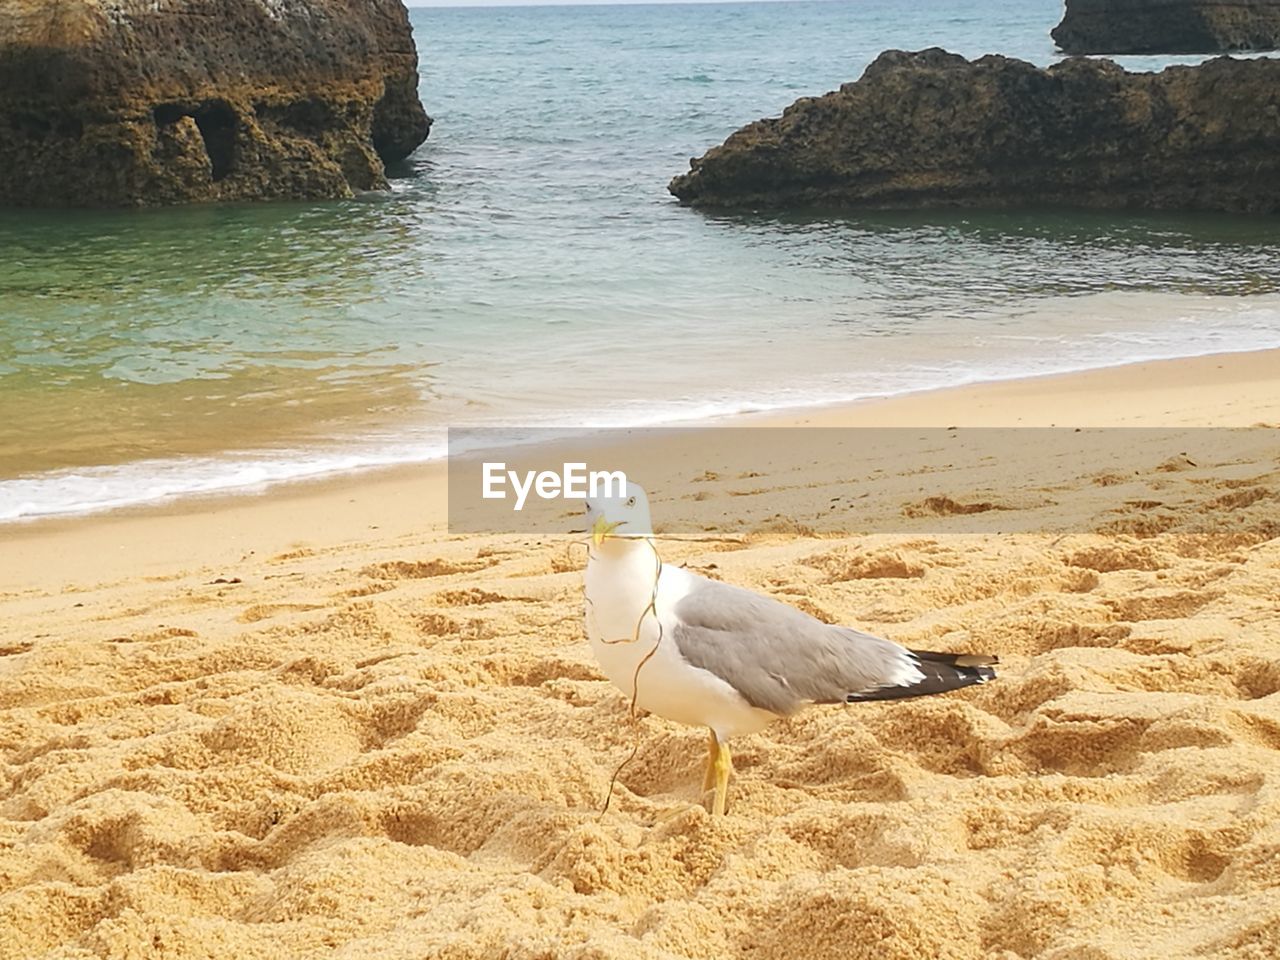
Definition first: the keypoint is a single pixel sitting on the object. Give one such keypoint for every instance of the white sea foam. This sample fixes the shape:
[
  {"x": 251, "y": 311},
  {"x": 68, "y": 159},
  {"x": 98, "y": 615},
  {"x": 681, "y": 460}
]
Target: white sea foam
[{"x": 97, "y": 489}]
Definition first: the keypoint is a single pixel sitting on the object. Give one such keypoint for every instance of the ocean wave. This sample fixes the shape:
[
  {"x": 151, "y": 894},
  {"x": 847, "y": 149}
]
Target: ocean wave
[
  {"x": 68, "y": 492},
  {"x": 59, "y": 493}
]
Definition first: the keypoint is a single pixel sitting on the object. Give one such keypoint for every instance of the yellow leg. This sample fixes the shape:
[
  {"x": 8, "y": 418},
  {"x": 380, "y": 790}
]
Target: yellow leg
[
  {"x": 723, "y": 767},
  {"x": 713, "y": 752}
]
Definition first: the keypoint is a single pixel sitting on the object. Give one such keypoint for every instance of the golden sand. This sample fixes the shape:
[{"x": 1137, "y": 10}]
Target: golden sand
[{"x": 264, "y": 729}]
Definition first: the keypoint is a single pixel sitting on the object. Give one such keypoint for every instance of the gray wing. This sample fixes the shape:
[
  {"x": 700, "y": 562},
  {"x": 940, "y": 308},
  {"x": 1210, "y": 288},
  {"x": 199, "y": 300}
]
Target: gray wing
[{"x": 780, "y": 658}]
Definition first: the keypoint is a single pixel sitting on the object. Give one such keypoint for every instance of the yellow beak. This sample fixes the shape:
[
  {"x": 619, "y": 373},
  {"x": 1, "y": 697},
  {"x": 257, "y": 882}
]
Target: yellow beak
[{"x": 602, "y": 528}]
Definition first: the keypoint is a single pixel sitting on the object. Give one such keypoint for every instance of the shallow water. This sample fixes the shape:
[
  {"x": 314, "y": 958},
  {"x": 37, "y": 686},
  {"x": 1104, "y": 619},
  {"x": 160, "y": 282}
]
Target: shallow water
[{"x": 529, "y": 267}]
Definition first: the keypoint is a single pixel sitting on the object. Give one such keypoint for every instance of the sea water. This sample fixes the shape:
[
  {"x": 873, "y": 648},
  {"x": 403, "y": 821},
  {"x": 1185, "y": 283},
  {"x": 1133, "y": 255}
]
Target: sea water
[{"x": 528, "y": 267}]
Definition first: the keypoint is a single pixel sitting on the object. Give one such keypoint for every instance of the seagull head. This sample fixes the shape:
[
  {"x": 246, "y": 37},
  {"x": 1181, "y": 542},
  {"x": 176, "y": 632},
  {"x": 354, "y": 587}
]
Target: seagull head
[{"x": 625, "y": 516}]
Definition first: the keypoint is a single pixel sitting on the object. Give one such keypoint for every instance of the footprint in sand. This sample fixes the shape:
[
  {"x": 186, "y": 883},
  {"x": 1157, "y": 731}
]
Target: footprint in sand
[
  {"x": 946, "y": 507},
  {"x": 423, "y": 569}
]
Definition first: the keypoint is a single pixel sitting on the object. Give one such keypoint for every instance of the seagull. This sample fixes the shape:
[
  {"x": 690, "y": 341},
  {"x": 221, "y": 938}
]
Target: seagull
[{"x": 706, "y": 653}]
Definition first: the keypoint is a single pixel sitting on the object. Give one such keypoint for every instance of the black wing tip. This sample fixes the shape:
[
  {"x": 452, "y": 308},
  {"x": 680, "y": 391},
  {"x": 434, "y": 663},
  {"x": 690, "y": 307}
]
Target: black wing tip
[
  {"x": 969, "y": 668},
  {"x": 943, "y": 672}
]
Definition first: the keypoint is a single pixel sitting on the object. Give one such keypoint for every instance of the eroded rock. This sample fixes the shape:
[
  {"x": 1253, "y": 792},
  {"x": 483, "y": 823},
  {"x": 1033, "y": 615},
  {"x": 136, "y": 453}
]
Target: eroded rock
[
  {"x": 931, "y": 129},
  {"x": 1168, "y": 26},
  {"x": 133, "y": 102}
]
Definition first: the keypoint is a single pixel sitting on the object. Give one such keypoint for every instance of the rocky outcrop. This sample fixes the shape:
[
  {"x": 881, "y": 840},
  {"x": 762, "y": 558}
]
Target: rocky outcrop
[
  {"x": 141, "y": 102},
  {"x": 932, "y": 129},
  {"x": 1168, "y": 26}
]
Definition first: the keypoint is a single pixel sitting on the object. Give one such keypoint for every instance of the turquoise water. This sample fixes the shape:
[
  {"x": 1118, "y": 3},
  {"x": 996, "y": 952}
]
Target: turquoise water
[{"x": 529, "y": 268}]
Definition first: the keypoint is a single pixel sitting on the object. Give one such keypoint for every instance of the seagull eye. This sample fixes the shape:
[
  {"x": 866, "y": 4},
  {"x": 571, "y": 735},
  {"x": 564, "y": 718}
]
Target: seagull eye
[
  {"x": 631, "y": 501},
  {"x": 587, "y": 504}
]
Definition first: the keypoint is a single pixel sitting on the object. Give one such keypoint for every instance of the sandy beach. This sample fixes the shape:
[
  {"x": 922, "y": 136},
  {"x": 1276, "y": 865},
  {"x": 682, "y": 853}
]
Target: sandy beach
[{"x": 316, "y": 723}]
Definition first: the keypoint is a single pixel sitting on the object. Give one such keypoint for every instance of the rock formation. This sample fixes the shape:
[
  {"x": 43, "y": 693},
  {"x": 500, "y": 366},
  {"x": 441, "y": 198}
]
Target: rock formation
[
  {"x": 142, "y": 102},
  {"x": 1168, "y": 26},
  {"x": 932, "y": 129}
]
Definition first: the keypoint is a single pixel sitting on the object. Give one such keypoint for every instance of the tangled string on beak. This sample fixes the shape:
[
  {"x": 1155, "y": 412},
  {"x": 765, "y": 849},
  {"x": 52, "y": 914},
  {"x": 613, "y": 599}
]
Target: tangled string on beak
[{"x": 603, "y": 529}]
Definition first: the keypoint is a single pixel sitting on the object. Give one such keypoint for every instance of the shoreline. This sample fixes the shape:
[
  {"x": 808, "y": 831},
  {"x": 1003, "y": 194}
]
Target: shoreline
[
  {"x": 187, "y": 481},
  {"x": 1229, "y": 389}
]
